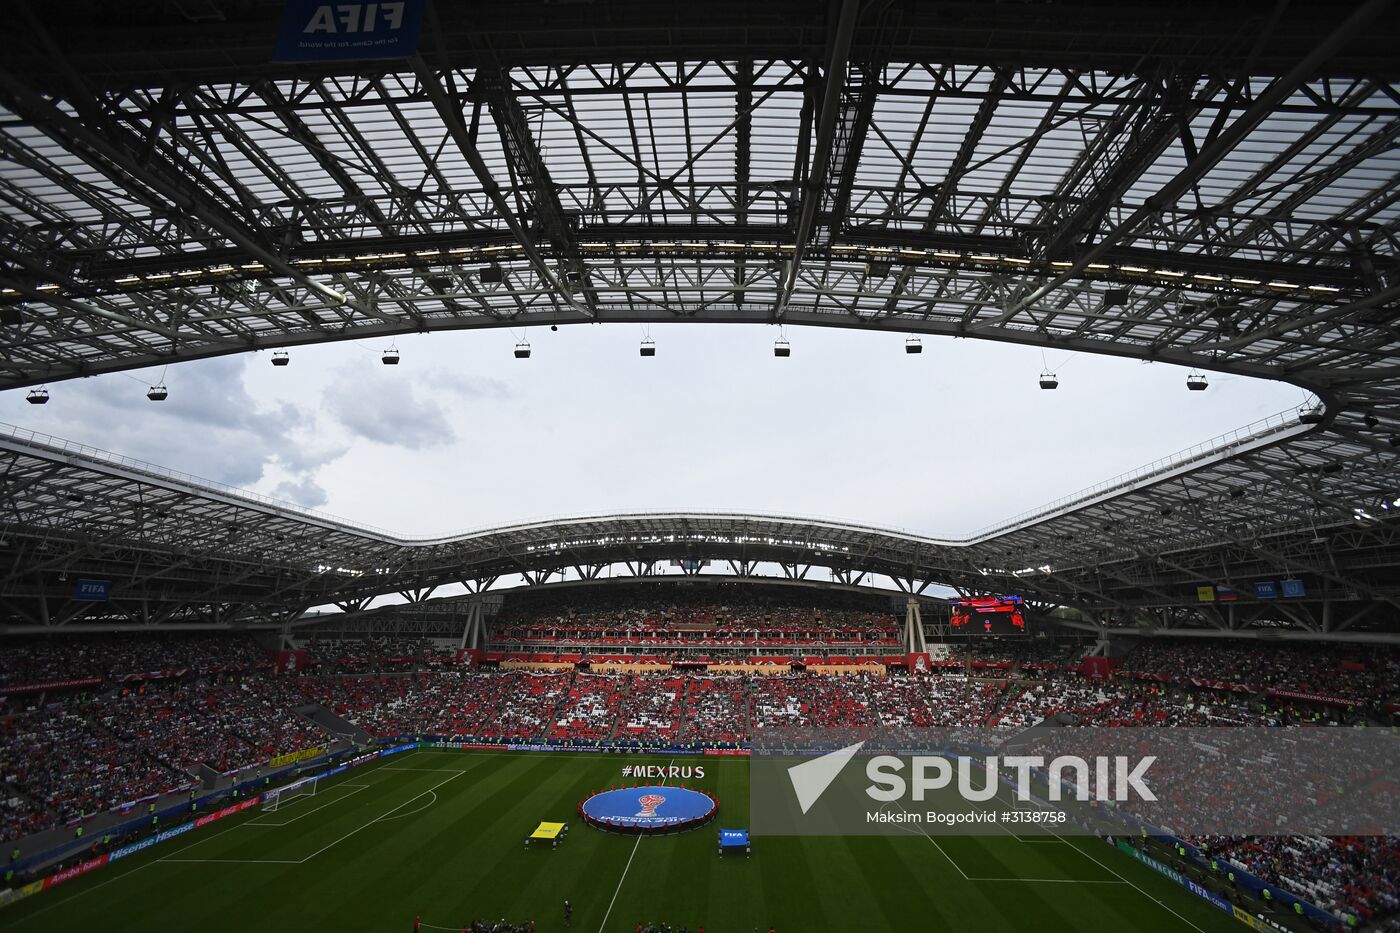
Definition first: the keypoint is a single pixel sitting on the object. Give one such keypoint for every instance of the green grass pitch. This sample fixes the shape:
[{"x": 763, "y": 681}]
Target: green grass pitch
[{"x": 440, "y": 834}]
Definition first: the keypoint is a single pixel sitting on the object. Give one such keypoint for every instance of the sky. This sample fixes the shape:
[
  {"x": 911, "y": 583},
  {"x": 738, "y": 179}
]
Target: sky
[{"x": 461, "y": 435}]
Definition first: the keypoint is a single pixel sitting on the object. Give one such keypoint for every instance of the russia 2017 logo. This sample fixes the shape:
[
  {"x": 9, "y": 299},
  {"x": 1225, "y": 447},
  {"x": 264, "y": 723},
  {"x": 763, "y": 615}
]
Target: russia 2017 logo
[{"x": 649, "y": 804}]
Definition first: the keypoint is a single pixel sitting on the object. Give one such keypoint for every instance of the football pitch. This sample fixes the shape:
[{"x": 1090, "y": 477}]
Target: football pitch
[{"x": 439, "y": 834}]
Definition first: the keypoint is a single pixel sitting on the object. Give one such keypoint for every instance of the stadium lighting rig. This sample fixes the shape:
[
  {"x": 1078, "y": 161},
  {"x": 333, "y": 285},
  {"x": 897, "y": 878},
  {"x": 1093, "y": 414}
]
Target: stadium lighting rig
[{"x": 869, "y": 260}]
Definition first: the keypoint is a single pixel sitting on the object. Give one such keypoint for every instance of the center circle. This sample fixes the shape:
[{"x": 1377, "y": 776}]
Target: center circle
[{"x": 651, "y": 808}]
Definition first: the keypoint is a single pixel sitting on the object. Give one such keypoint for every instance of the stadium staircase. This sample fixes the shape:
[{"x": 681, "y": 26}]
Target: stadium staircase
[
  {"x": 682, "y": 719},
  {"x": 615, "y": 730},
  {"x": 337, "y": 726}
]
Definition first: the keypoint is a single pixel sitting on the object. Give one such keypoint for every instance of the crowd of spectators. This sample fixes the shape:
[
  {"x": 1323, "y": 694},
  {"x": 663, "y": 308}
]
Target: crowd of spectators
[
  {"x": 1354, "y": 672},
  {"x": 741, "y": 619},
  {"x": 373, "y": 654},
  {"x": 164, "y": 707},
  {"x": 1358, "y": 875},
  {"x": 119, "y": 657}
]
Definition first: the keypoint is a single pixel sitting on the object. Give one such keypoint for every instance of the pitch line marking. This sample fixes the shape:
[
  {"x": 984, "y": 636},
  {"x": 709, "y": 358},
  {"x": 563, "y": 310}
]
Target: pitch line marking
[
  {"x": 925, "y": 834},
  {"x": 77, "y": 894},
  {"x": 236, "y": 861},
  {"x": 1055, "y": 880},
  {"x": 357, "y": 789},
  {"x": 425, "y": 806},
  {"x": 380, "y": 817},
  {"x": 373, "y": 767},
  {"x": 1087, "y": 854},
  {"x": 628, "y": 867}
]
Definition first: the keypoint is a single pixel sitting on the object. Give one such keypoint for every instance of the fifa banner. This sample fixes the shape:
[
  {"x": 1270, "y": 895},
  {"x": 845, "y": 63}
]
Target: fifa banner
[
  {"x": 314, "y": 30},
  {"x": 838, "y": 669},
  {"x": 1073, "y": 780},
  {"x": 291, "y": 758},
  {"x": 1203, "y": 893}
]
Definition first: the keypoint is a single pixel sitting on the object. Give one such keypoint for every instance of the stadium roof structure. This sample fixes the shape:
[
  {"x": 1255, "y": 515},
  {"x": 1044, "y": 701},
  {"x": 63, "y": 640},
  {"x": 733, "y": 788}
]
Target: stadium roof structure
[
  {"x": 1127, "y": 552},
  {"x": 1196, "y": 185}
]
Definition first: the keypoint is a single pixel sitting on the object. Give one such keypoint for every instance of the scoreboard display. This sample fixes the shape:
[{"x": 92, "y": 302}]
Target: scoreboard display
[{"x": 988, "y": 615}]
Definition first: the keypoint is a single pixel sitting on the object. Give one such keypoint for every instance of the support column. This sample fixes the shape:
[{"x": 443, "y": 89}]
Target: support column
[
  {"x": 914, "y": 642},
  {"x": 474, "y": 631}
]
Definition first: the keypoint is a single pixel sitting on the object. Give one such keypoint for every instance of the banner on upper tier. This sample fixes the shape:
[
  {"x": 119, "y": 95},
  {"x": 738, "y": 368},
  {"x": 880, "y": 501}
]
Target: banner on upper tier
[
  {"x": 71, "y": 684},
  {"x": 314, "y": 30},
  {"x": 301, "y": 754}
]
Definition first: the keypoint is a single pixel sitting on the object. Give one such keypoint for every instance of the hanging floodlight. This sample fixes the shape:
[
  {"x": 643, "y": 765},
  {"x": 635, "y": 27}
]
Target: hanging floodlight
[
  {"x": 648, "y": 347},
  {"x": 157, "y": 393},
  {"x": 1196, "y": 382},
  {"x": 280, "y": 358},
  {"x": 1049, "y": 381},
  {"x": 39, "y": 396},
  {"x": 913, "y": 345}
]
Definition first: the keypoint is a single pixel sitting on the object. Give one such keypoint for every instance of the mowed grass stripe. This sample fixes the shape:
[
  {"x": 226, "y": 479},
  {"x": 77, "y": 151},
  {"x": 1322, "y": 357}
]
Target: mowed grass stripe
[{"x": 462, "y": 858}]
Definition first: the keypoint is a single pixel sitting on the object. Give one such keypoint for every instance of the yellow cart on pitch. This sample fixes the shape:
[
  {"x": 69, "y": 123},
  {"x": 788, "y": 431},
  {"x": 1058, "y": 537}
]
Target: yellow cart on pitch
[{"x": 553, "y": 832}]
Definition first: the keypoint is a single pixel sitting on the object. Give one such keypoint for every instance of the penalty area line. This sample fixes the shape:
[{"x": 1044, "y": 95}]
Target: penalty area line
[
  {"x": 382, "y": 816},
  {"x": 356, "y": 789},
  {"x": 923, "y": 832},
  {"x": 1087, "y": 854}
]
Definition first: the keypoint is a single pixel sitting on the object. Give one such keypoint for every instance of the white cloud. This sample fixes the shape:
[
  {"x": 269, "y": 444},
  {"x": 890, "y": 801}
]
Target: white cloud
[
  {"x": 463, "y": 435},
  {"x": 209, "y": 426}
]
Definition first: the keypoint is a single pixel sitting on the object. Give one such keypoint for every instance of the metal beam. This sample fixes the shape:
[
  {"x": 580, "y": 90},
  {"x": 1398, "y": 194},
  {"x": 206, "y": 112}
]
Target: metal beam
[
  {"x": 1209, "y": 156},
  {"x": 814, "y": 185}
]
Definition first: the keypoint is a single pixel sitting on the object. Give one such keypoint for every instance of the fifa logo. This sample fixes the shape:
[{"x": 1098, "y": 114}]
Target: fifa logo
[{"x": 649, "y": 804}]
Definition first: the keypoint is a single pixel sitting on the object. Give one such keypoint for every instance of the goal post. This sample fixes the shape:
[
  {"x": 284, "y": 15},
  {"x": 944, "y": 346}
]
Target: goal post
[{"x": 275, "y": 798}]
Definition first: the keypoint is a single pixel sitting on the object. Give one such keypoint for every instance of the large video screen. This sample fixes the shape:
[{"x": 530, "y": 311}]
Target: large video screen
[{"x": 988, "y": 615}]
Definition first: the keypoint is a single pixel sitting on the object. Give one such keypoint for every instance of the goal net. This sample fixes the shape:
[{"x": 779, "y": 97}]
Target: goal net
[{"x": 280, "y": 796}]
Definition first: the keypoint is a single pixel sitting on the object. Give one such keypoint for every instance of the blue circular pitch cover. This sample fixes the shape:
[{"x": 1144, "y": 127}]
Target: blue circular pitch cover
[{"x": 651, "y": 808}]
